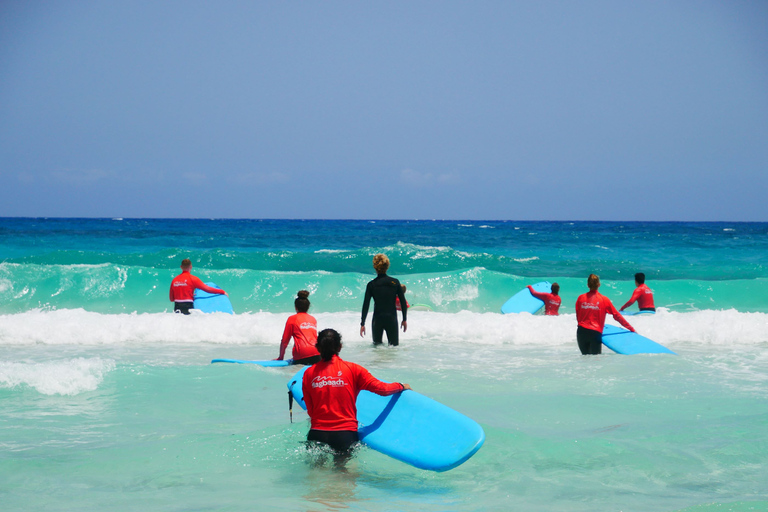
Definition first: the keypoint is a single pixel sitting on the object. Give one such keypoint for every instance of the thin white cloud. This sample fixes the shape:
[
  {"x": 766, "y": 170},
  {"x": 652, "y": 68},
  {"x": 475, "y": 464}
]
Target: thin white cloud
[
  {"x": 82, "y": 176},
  {"x": 259, "y": 178},
  {"x": 427, "y": 179}
]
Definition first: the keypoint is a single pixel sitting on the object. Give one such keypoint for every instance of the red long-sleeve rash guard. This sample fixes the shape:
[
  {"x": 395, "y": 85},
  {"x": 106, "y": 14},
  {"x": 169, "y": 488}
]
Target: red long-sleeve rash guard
[
  {"x": 303, "y": 328},
  {"x": 591, "y": 309},
  {"x": 330, "y": 391},
  {"x": 183, "y": 287},
  {"x": 551, "y": 301},
  {"x": 644, "y": 297}
]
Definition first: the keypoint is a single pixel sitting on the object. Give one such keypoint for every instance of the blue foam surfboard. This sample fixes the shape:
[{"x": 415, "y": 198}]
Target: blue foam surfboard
[
  {"x": 627, "y": 342},
  {"x": 212, "y": 302},
  {"x": 524, "y": 302},
  {"x": 635, "y": 313},
  {"x": 286, "y": 362},
  {"x": 411, "y": 428}
]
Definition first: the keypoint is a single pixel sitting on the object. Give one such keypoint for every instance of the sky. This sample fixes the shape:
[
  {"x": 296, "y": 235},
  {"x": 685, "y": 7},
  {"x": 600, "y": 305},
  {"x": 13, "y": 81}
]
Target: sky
[{"x": 508, "y": 110}]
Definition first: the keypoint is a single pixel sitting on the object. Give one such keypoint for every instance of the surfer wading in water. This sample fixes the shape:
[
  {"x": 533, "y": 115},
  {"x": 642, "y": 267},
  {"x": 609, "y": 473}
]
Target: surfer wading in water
[
  {"x": 302, "y": 327},
  {"x": 591, "y": 309},
  {"x": 183, "y": 289},
  {"x": 330, "y": 390},
  {"x": 384, "y": 290},
  {"x": 642, "y": 294},
  {"x": 551, "y": 300}
]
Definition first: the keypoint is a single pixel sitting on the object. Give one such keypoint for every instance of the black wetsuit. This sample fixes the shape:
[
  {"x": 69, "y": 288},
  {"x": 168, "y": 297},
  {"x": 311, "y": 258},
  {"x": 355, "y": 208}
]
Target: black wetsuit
[
  {"x": 590, "y": 342},
  {"x": 384, "y": 289}
]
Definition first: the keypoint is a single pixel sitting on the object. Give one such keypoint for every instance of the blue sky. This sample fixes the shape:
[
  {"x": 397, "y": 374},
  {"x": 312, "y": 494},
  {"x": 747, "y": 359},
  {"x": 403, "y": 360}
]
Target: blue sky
[{"x": 535, "y": 110}]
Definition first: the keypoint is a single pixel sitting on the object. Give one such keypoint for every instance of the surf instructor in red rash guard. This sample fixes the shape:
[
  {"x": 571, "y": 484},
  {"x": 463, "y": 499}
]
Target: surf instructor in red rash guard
[
  {"x": 183, "y": 289},
  {"x": 551, "y": 300},
  {"x": 642, "y": 294},
  {"x": 591, "y": 309},
  {"x": 330, "y": 390}
]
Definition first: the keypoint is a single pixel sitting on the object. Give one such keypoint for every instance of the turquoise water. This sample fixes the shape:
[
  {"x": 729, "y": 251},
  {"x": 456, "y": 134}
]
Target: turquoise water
[{"x": 107, "y": 402}]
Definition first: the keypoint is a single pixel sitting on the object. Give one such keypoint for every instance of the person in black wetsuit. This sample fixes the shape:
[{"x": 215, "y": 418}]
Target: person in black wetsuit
[{"x": 384, "y": 290}]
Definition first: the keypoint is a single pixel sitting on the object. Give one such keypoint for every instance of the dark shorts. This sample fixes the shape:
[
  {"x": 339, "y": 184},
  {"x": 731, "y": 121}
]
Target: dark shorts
[
  {"x": 590, "y": 342},
  {"x": 342, "y": 441},
  {"x": 388, "y": 323},
  {"x": 309, "y": 361},
  {"x": 648, "y": 309},
  {"x": 183, "y": 307}
]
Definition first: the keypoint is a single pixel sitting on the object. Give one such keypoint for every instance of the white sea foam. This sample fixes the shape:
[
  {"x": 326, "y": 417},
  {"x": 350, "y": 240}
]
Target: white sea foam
[
  {"x": 68, "y": 377},
  {"x": 76, "y": 327}
]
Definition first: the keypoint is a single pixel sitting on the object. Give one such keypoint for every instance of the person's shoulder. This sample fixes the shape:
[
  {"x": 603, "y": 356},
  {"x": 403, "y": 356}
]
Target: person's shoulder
[{"x": 304, "y": 316}]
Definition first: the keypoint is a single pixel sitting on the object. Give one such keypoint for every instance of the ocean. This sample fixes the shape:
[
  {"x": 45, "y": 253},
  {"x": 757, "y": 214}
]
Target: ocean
[{"x": 108, "y": 401}]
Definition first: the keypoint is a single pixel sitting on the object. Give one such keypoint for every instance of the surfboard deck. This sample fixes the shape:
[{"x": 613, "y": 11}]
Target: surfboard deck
[
  {"x": 212, "y": 302},
  {"x": 420, "y": 307},
  {"x": 524, "y": 302},
  {"x": 627, "y": 342},
  {"x": 411, "y": 428},
  {"x": 635, "y": 313},
  {"x": 285, "y": 362}
]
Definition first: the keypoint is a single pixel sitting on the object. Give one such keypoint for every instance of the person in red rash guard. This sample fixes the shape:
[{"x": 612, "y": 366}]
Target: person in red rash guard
[
  {"x": 591, "y": 309},
  {"x": 183, "y": 289},
  {"x": 642, "y": 294},
  {"x": 330, "y": 390},
  {"x": 551, "y": 300},
  {"x": 302, "y": 327},
  {"x": 397, "y": 300}
]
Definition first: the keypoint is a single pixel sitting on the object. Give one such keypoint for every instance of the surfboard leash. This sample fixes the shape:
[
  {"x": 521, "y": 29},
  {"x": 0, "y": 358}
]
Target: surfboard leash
[{"x": 290, "y": 405}]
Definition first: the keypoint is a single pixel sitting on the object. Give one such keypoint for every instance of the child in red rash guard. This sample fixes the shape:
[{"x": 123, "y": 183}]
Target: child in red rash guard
[
  {"x": 551, "y": 300},
  {"x": 302, "y": 327},
  {"x": 591, "y": 309},
  {"x": 642, "y": 294},
  {"x": 330, "y": 390}
]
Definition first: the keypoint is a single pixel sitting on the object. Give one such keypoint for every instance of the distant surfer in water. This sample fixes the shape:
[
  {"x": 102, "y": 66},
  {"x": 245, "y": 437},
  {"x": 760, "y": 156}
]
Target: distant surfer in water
[
  {"x": 302, "y": 327},
  {"x": 384, "y": 289},
  {"x": 330, "y": 390},
  {"x": 183, "y": 289},
  {"x": 551, "y": 300},
  {"x": 591, "y": 309},
  {"x": 642, "y": 294}
]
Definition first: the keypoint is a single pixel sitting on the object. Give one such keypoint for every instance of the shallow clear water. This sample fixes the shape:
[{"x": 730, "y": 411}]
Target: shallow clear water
[{"x": 109, "y": 403}]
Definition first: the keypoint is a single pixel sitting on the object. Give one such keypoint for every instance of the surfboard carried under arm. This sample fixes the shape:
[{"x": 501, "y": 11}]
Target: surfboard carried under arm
[
  {"x": 524, "y": 302},
  {"x": 411, "y": 428},
  {"x": 212, "y": 302},
  {"x": 639, "y": 312},
  {"x": 627, "y": 342},
  {"x": 286, "y": 362}
]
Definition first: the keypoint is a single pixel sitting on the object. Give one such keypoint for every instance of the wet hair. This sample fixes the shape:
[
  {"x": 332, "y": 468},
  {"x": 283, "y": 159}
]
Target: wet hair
[
  {"x": 186, "y": 263},
  {"x": 555, "y": 288},
  {"x": 381, "y": 263},
  {"x": 302, "y": 301},
  {"x": 593, "y": 282},
  {"x": 328, "y": 343},
  {"x": 640, "y": 278}
]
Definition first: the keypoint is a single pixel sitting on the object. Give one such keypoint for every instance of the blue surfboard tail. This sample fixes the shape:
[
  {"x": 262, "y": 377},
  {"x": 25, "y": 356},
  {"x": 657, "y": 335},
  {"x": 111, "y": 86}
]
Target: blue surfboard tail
[{"x": 627, "y": 342}]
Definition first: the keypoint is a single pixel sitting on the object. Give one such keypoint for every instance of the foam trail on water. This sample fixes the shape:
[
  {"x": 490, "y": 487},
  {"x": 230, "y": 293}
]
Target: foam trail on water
[
  {"x": 80, "y": 327},
  {"x": 69, "y": 377}
]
